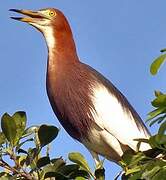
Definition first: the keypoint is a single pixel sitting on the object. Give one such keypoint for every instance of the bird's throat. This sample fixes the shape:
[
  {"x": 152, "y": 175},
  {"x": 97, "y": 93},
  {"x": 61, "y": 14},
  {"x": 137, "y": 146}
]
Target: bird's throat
[
  {"x": 51, "y": 46},
  {"x": 50, "y": 39}
]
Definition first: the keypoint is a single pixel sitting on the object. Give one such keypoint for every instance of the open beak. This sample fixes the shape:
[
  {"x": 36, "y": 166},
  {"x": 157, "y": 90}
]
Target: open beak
[{"x": 31, "y": 16}]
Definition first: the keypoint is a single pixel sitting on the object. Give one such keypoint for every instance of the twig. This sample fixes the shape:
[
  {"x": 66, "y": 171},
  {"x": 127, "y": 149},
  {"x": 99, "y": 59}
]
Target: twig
[{"x": 15, "y": 171}]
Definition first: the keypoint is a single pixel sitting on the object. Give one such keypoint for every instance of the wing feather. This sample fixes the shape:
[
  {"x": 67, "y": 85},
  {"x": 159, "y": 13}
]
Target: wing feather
[
  {"x": 112, "y": 111},
  {"x": 115, "y": 118}
]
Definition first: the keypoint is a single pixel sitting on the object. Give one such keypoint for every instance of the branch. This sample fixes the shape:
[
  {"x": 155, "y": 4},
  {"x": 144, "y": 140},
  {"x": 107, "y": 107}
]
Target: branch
[{"x": 15, "y": 171}]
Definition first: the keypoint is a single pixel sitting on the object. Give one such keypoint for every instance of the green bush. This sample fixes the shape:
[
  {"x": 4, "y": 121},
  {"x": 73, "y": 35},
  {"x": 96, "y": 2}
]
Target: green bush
[
  {"x": 27, "y": 160},
  {"x": 151, "y": 164}
]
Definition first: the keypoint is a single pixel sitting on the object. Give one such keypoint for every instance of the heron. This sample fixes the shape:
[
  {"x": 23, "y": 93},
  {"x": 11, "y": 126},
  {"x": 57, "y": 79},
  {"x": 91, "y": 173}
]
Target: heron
[{"x": 89, "y": 107}]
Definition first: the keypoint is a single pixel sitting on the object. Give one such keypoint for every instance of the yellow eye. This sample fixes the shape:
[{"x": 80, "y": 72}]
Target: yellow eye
[{"x": 51, "y": 13}]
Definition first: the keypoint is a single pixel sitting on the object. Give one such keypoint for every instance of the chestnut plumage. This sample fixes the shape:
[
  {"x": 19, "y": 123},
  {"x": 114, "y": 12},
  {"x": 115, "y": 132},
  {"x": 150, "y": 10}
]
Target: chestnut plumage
[{"x": 89, "y": 107}]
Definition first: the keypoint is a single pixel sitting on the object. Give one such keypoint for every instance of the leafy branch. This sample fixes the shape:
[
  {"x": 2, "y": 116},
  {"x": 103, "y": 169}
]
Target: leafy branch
[
  {"x": 150, "y": 164},
  {"x": 27, "y": 160}
]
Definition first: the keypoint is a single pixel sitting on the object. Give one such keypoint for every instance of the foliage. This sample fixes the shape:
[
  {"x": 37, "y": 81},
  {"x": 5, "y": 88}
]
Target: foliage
[
  {"x": 158, "y": 62},
  {"x": 22, "y": 147},
  {"x": 151, "y": 164}
]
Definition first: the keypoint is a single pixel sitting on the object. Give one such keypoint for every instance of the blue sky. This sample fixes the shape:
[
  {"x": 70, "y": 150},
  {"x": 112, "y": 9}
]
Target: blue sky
[{"x": 118, "y": 38}]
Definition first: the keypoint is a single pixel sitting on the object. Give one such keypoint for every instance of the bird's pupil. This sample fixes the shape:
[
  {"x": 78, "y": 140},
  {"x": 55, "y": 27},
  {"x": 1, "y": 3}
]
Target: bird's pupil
[{"x": 51, "y": 13}]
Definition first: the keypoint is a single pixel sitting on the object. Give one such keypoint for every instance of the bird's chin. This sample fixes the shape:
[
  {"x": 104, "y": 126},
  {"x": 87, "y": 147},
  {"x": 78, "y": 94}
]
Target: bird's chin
[
  {"x": 37, "y": 26},
  {"x": 26, "y": 19}
]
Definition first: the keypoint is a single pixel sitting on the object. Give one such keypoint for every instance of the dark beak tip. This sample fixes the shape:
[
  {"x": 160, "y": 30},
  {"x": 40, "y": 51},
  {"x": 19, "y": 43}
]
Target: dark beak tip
[
  {"x": 15, "y": 10},
  {"x": 18, "y": 11},
  {"x": 15, "y": 18}
]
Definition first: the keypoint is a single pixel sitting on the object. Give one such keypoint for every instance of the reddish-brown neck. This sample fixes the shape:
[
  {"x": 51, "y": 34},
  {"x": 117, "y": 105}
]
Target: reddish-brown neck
[
  {"x": 61, "y": 46},
  {"x": 64, "y": 46}
]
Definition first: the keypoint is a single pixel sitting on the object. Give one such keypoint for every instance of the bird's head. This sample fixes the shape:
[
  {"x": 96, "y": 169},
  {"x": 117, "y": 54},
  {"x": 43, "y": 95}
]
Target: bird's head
[
  {"x": 53, "y": 25},
  {"x": 42, "y": 19}
]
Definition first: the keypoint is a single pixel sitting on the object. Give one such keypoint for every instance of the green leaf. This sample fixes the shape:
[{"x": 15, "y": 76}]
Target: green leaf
[
  {"x": 160, "y": 101},
  {"x": 80, "y": 178},
  {"x": 79, "y": 175},
  {"x": 163, "y": 50},
  {"x": 148, "y": 174},
  {"x": 157, "y": 120},
  {"x": 72, "y": 171},
  {"x": 132, "y": 170},
  {"x": 68, "y": 169},
  {"x": 51, "y": 171},
  {"x": 9, "y": 128},
  {"x": 131, "y": 159},
  {"x": 161, "y": 139},
  {"x": 154, "y": 142},
  {"x": 20, "y": 121},
  {"x": 151, "y": 169},
  {"x": 127, "y": 157},
  {"x": 47, "y": 134},
  {"x": 79, "y": 159},
  {"x": 43, "y": 161},
  {"x": 56, "y": 175},
  {"x": 13, "y": 126},
  {"x": 157, "y": 63},
  {"x": 160, "y": 175},
  {"x": 58, "y": 163},
  {"x": 157, "y": 93},
  {"x": 2, "y": 138},
  {"x": 162, "y": 130},
  {"x": 100, "y": 174},
  {"x": 135, "y": 176},
  {"x": 155, "y": 113}
]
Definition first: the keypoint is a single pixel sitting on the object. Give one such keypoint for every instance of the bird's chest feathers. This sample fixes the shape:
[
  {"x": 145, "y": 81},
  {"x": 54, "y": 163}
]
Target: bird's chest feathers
[{"x": 70, "y": 96}]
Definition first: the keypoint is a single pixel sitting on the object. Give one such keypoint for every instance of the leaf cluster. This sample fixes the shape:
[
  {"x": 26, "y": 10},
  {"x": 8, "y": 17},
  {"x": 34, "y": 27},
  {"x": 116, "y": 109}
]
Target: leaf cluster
[
  {"x": 24, "y": 148},
  {"x": 151, "y": 164},
  {"x": 155, "y": 66}
]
